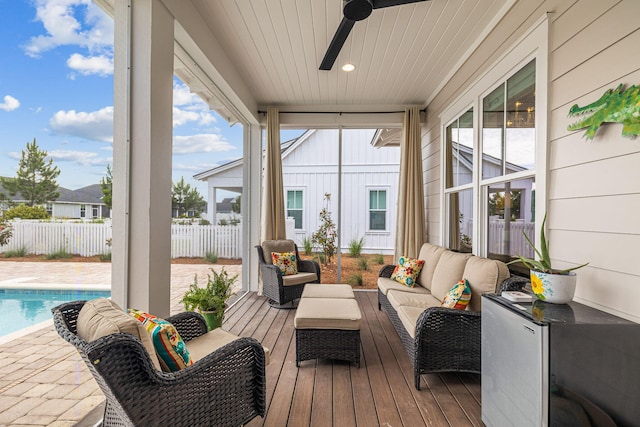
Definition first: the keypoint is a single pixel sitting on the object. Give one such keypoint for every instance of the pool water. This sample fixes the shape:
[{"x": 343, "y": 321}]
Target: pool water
[{"x": 21, "y": 308}]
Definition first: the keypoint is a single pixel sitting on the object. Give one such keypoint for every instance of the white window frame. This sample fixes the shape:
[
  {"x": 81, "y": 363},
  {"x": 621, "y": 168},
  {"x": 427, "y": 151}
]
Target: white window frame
[
  {"x": 534, "y": 44},
  {"x": 302, "y": 219},
  {"x": 386, "y": 209}
]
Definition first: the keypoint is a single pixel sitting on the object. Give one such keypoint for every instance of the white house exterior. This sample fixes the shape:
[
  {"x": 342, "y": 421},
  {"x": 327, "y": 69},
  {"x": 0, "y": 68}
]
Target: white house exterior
[{"x": 369, "y": 180}]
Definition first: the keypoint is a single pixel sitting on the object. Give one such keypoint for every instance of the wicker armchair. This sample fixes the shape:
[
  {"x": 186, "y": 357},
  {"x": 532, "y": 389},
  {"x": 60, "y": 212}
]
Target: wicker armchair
[
  {"x": 224, "y": 388},
  {"x": 284, "y": 289}
]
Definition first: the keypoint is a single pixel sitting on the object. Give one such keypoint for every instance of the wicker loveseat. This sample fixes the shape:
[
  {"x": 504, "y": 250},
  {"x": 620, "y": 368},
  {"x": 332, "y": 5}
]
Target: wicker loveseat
[
  {"x": 282, "y": 289},
  {"x": 440, "y": 339},
  {"x": 224, "y": 387}
]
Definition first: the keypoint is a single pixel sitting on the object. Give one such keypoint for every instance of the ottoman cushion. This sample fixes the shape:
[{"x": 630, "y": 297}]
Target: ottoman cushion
[
  {"x": 314, "y": 290},
  {"x": 328, "y": 313}
]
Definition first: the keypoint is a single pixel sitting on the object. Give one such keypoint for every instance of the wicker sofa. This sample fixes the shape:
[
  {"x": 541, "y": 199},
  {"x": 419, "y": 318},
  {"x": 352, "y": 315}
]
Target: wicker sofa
[{"x": 439, "y": 339}]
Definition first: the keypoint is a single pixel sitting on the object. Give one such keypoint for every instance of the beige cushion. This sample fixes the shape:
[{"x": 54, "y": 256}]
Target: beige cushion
[
  {"x": 431, "y": 255},
  {"x": 101, "y": 317},
  {"x": 328, "y": 313},
  {"x": 279, "y": 246},
  {"x": 398, "y": 299},
  {"x": 409, "y": 317},
  {"x": 484, "y": 275},
  {"x": 315, "y": 290},
  {"x": 448, "y": 272},
  {"x": 385, "y": 284},
  {"x": 298, "y": 278},
  {"x": 206, "y": 344}
]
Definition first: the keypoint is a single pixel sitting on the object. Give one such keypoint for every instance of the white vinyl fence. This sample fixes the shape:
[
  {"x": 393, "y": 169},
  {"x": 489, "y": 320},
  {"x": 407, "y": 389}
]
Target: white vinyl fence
[
  {"x": 90, "y": 239},
  {"x": 507, "y": 238}
]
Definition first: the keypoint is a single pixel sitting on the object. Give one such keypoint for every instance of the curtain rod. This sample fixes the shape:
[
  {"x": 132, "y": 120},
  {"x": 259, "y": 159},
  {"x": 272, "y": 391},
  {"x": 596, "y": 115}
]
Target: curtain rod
[{"x": 424, "y": 110}]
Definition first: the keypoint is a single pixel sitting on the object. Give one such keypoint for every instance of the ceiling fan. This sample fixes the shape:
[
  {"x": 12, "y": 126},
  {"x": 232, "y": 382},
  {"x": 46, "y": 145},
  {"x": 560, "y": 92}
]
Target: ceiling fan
[{"x": 353, "y": 11}]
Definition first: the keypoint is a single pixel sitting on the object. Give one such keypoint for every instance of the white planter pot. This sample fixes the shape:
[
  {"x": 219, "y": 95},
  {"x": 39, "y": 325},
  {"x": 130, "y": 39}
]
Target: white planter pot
[{"x": 554, "y": 288}]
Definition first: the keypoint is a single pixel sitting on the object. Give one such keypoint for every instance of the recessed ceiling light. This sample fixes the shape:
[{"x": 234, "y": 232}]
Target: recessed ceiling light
[{"x": 348, "y": 67}]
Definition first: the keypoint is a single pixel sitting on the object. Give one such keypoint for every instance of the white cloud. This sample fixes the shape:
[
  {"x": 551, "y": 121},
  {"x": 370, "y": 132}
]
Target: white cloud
[
  {"x": 194, "y": 168},
  {"x": 189, "y": 107},
  {"x": 95, "y": 125},
  {"x": 9, "y": 104},
  {"x": 182, "y": 117},
  {"x": 82, "y": 158},
  {"x": 86, "y": 65},
  {"x": 183, "y": 96},
  {"x": 71, "y": 22},
  {"x": 201, "y": 143}
]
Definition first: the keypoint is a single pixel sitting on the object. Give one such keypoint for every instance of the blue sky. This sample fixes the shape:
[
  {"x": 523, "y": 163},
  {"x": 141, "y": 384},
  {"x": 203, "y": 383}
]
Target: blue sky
[{"x": 56, "y": 85}]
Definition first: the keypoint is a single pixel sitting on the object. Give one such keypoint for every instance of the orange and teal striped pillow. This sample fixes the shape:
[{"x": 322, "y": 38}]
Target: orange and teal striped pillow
[
  {"x": 171, "y": 349},
  {"x": 458, "y": 297}
]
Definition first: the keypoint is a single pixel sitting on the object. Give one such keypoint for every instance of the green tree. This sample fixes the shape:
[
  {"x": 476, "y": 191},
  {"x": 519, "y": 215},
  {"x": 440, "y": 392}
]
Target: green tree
[
  {"x": 325, "y": 236},
  {"x": 184, "y": 198},
  {"x": 106, "y": 185},
  {"x": 235, "y": 205},
  {"x": 36, "y": 177}
]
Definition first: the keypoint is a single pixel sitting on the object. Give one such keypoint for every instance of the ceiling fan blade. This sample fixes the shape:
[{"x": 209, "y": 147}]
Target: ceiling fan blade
[
  {"x": 336, "y": 44},
  {"x": 379, "y": 4}
]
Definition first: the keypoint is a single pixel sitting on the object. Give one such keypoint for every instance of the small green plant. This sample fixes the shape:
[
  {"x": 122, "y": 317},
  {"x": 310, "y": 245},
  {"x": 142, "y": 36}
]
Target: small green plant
[
  {"x": 363, "y": 264},
  {"x": 320, "y": 257},
  {"x": 325, "y": 236},
  {"x": 355, "y": 247},
  {"x": 544, "y": 263},
  {"x": 211, "y": 257},
  {"x": 59, "y": 254},
  {"x": 205, "y": 222},
  {"x": 355, "y": 280},
  {"x": 307, "y": 245},
  {"x": 213, "y": 296},
  {"x": 105, "y": 257},
  {"x": 223, "y": 222},
  {"x": 378, "y": 259},
  {"x": 16, "y": 253}
]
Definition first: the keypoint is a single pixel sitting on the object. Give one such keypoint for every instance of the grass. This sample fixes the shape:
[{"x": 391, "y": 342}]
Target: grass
[
  {"x": 363, "y": 264},
  {"x": 355, "y": 280},
  {"x": 59, "y": 254},
  {"x": 378, "y": 259},
  {"x": 16, "y": 253},
  {"x": 307, "y": 245},
  {"x": 355, "y": 247},
  {"x": 211, "y": 257}
]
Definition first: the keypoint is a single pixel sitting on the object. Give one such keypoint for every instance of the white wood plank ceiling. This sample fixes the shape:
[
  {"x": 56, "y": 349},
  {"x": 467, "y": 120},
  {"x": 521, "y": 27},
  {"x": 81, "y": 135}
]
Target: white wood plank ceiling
[{"x": 402, "y": 54}]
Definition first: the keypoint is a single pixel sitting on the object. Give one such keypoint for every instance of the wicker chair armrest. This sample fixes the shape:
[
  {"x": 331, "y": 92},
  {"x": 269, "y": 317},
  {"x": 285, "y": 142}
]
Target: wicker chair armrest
[
  {"x": 386, "y": 270},
  {"x": 441, "y": 323},
  {"x": 230, "y": 376},
  {"x": 189, "y": 324},
  {"x": 309, "y": 266},
  {"x": 271, "y": 273}
]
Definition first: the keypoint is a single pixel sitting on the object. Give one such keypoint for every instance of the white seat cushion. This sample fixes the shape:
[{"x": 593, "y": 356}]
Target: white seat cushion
[
  {"x": 398, "y": 299},
  {"x": 206, "y": 344},
  {"x": 298, "y": 278},
  {"x": 409, "y": 317},
  {"x": 385, "y": 284}
]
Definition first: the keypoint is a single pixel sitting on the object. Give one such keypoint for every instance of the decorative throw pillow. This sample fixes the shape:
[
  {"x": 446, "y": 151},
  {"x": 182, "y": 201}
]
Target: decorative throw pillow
[
  {"x": 172, "y": 351},
  {"x": 407, "y": 271},
  {"x": 458, "y": 297},
  {"x": 286, "y": 262}
]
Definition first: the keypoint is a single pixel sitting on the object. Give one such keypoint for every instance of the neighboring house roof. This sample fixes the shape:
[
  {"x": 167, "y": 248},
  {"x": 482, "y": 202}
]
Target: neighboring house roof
[
  {"x": 91, "y": 195},
  {"x": 225, "y": 206}
]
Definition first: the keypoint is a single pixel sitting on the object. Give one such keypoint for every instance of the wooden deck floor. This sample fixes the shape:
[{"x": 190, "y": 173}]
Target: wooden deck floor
[{"x": 326, "y": 393}]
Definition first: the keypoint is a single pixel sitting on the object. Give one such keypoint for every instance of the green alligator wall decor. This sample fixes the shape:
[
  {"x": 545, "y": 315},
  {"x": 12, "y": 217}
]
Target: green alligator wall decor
[{"x": 615, "y": 106}]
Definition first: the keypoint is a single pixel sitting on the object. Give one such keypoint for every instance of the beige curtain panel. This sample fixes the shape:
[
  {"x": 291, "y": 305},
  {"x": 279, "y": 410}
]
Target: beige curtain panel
[
  {"x": 272, "y": 224},
  {"x": 410, "y": 229}
]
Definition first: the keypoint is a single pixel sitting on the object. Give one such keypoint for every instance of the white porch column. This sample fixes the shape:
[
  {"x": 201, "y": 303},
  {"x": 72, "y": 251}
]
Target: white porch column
[
  {"x": 143, "y": 80},
  {"x": 250, "y": 204}
]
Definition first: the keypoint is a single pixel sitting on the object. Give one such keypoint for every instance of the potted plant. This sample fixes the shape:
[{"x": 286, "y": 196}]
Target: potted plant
[
  {"x": 211, "y": 300},
  {"x": 548, "y": 284}
]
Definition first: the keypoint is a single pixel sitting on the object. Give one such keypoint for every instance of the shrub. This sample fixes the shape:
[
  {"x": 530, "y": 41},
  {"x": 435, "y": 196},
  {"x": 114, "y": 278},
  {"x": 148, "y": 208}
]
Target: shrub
[
  {"x": 378, "y": 259},
  {"x": 355, "y": 280},
  {"x": 355, "y": 247},
  {"x": 211, "y": 257},
  {"x": 59, "y": 254},
  {"x": 105, "y": 257},
  {"x": 320, "y": 257},
  {"x": 205, "y": 222},
  {"x": 16, "y": 253},
  {"x": 26, "y": 212},
  {"x": 223, "y": 222},
  {"x": 307, "y": 245},
  {"x": 363, "y": 264}
]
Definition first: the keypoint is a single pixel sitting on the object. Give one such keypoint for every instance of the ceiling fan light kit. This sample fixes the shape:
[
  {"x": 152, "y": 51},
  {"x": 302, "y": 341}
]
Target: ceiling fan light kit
[{"x": 353, "y": 11}]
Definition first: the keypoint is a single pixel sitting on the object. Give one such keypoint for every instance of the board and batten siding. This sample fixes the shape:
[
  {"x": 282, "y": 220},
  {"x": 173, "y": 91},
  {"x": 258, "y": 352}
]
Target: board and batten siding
[
  {"x": 312, "y": 167},
  {"x": 593, "y": 188}
]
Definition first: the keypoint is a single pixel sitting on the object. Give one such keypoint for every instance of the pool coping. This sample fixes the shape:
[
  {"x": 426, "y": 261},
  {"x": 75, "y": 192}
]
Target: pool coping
[{"x": 56, "y": 286}]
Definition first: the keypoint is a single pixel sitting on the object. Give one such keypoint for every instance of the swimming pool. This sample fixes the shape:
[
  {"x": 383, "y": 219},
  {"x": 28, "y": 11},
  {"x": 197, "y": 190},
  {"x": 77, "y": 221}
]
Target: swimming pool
[{"x": 21, "y": 308}]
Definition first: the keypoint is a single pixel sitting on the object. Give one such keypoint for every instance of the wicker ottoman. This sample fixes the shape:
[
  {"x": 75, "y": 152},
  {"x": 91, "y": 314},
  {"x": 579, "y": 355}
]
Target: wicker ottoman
[
  {"x": 328, "y": 328},
  {"x": 314, "y": 290}
]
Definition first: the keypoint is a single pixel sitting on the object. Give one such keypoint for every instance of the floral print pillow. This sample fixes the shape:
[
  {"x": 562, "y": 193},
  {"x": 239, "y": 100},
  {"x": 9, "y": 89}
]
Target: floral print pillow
[
  {"x": 407, "y": 271},
  {"x": 286, "y": 261},
  {"x": 458, "y": 297}
]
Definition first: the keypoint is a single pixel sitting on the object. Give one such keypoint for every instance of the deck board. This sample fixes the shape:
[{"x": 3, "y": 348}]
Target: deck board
[{"x": 335, "y": 393}]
